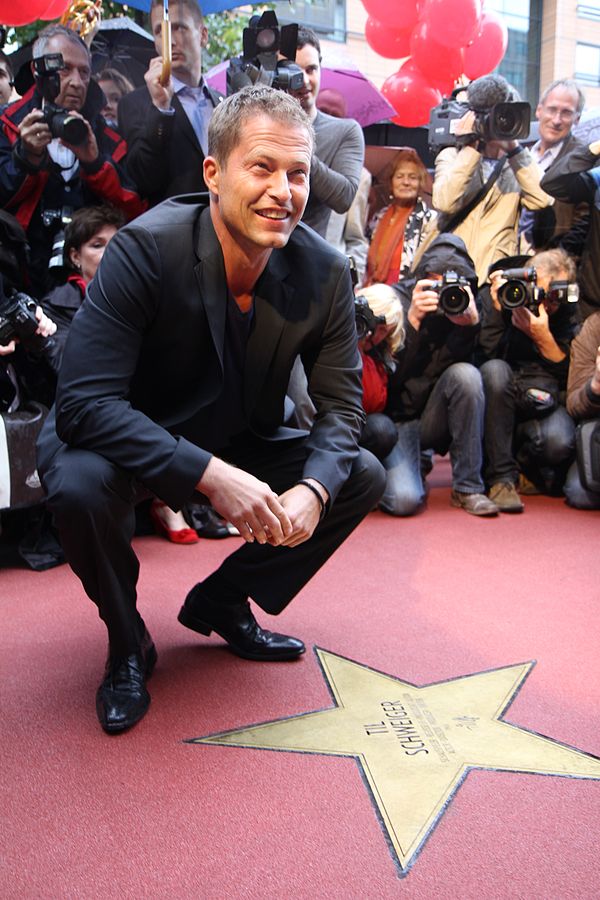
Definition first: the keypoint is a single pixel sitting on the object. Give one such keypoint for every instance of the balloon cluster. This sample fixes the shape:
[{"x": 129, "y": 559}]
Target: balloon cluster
[
  {"x": 443, "y": 40},
  {"x": 21, "y": 12}
]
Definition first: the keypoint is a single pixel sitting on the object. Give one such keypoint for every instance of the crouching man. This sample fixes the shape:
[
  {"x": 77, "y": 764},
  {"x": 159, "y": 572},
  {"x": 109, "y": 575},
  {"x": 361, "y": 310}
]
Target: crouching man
[{"x": 174, "y": 381}]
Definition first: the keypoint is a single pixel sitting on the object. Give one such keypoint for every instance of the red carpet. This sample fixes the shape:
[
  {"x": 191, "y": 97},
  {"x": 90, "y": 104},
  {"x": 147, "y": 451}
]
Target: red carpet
[{"x": 425, "y": 600}]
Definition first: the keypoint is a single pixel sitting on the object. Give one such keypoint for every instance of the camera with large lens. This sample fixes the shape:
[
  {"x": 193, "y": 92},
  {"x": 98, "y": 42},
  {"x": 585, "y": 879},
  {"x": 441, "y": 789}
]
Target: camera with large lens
[
  {"x": 520, "y": 289},
  {"x": 264, "y": 43},
  {"x": 17, "y": 320},
  {"x": 61, "y": 123},
  {"x": 453, "y": 293},
  {"x": 501, "y": 122},
  {"x": 366, "y": 320}
]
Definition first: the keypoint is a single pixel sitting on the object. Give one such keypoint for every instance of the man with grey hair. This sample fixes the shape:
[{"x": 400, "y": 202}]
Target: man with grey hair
[
  {"x": 174, "y": 382},
  {"x": 44, "y": 178},
  {"x": 558, "y": 111}
]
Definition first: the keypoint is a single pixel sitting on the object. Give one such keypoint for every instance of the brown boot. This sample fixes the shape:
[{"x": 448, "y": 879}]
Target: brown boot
[{"x": 476, "y": 504}]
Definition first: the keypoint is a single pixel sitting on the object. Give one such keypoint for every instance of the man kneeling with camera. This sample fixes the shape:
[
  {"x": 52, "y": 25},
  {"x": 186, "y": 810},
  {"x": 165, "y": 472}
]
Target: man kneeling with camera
[
  {"x": 435, "y": 394},
  {"x": 528, "y": 322}
]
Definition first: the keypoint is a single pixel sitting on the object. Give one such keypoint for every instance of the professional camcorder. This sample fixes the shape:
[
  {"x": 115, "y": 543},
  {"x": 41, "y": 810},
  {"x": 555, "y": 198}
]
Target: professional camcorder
[
  {"x": 521, "y": 289},
  {"x": 61, "y": 123},
  {"x": 264, "y": 43},
  {"x": 503, "y": 122},
  {"x": 366, "y": 320},
  {"x": 452, "y": 291}
]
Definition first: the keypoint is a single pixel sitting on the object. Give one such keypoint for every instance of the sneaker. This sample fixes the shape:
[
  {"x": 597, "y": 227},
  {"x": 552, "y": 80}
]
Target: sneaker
[
  {"x": 476, "y": 504},
  {"x": 505, "y": 496}
]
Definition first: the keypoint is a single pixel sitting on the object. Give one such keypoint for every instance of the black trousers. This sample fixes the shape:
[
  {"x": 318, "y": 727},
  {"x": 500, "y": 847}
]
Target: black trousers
[{"x": 93, "y": 502}]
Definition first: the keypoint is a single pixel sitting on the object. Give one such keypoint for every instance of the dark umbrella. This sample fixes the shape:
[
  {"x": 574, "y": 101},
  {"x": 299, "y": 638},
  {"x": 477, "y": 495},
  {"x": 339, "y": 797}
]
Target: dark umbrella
[{"x": 121, "y": 44}]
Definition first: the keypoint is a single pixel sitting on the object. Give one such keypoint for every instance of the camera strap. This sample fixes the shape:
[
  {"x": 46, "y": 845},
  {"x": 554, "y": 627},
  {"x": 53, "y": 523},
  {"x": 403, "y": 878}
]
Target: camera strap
[{"x": 483, "y": 191}]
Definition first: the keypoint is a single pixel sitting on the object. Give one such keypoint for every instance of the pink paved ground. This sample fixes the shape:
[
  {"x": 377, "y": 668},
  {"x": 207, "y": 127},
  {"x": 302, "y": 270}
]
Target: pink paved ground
[{"x": 425, "y": 599}]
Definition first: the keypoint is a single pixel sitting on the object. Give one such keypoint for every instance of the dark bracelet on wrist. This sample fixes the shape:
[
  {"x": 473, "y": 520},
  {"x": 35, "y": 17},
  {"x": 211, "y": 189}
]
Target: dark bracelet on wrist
[
  {"x": 514, "y": 151},
  {"x": 317, "y": 494}
]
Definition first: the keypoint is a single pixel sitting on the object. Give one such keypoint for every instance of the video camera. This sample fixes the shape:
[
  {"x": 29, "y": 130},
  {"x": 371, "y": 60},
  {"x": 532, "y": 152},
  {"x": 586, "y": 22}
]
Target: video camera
[
  {"x": 264, "y": 42},
  {"x": 366, "y": 320},
  {"x": 452, "y": 292},
  {"x": 502, "y": 122},
  {"x": 61, "y": 123},
  {"x": 521, "y": 289}
]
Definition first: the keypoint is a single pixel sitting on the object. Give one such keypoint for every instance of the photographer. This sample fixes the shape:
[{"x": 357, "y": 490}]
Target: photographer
[
  {"x": 526, "y": 345},
  {"x": 381, "y": 333},
  {"x": 499, "y": 175},
  {"x": 340, "y": 146},
  {"x": 583, "y": 403},
  {"x": 435, "y": 395},
  {"x": 56, "y": 153}
]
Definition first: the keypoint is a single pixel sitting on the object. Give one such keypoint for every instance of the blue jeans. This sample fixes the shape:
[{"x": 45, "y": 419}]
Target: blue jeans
[
  {"x": 451, "y": 421},
  {"x": 542, "y": 448}
]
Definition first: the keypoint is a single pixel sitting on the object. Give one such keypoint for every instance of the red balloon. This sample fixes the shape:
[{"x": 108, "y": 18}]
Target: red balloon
[
  {"x": 54, "y": 9},
  {"x": 399, "y": 14},
  {"x": 488, "y": 48},
  {"x": 21, "y": 12},
  {"x": 388, "y": 42},
  {"x": 411, "y": 95},
  {"x": 436, "y": 61},
  {"x": 453, "y": 22}
]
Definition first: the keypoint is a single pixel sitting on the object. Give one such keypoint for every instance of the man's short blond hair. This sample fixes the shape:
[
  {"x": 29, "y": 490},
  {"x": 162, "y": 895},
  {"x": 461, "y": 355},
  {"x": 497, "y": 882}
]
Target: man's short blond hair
[{"x": 227, "y": 121}]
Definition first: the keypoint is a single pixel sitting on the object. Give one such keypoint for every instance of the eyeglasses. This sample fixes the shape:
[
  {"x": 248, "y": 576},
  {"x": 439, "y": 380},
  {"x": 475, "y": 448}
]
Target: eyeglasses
[{"x": 567, "y": 114}]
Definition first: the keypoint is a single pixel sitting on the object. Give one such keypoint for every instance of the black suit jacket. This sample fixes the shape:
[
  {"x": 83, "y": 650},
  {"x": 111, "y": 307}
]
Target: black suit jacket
[
  {"x": 553, "y": 224},
  {"x": 144, "y": 353},
  {"x": 164, "y": 157}
]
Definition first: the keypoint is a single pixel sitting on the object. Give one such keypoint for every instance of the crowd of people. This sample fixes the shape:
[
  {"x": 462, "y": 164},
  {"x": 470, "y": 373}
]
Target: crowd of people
[{"x": 242, "y": 414}]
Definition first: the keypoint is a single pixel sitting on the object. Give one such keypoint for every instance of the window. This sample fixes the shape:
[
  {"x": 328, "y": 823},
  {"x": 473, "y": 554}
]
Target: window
[
  {"x": 326, "y": 17},
  {"x": 587, "y": 64},
  {"x": 589, "y": 10}
]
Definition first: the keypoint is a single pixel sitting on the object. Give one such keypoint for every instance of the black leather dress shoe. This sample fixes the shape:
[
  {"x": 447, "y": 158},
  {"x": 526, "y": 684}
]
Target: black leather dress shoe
[
  {"x": 122, "y": 698},
  {"x": 236, "y": 624}
]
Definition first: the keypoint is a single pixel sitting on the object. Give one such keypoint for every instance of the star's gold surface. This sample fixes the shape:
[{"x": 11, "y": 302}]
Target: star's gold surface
[{"x": 416, "y": 744}]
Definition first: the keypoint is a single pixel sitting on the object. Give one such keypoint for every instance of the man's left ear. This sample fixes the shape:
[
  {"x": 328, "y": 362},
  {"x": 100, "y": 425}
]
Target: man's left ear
[{"x": 204, "y": 36}]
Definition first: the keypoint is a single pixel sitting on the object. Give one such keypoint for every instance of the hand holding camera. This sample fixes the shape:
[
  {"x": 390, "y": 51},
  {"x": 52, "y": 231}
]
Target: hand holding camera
[
  {"x": 22, "y": 320},
  {"x": 35, "y": 136}
]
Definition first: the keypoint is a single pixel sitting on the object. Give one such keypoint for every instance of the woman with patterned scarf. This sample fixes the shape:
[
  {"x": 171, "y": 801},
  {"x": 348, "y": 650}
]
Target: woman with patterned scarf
[{"x": 397, "y": 229}]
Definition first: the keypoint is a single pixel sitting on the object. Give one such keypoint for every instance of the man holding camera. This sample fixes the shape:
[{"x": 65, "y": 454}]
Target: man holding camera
[
  {"x": 481, "y": 183},
  {"x": 165, "y": 123},
  {"x": 527, "y": 326},
  {"x": 174, "y": 381},
  {"x": 56, "y": 153},
  {"x": 340, "y": 146},
  {"x": 435, "y": 394}
]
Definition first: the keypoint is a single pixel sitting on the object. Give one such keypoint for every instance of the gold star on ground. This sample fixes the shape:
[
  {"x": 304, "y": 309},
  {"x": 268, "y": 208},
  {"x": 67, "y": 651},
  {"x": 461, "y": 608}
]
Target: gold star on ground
[{"x": 416, "y": 744}]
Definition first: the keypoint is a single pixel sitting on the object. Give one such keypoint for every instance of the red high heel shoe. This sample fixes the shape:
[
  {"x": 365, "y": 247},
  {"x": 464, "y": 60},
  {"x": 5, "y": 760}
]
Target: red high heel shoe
[{"x": 181, "y": 536}]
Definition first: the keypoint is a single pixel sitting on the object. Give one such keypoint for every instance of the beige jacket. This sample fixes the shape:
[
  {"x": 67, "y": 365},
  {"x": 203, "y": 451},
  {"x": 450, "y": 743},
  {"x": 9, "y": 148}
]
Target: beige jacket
[{"x": 490, "y": 230}]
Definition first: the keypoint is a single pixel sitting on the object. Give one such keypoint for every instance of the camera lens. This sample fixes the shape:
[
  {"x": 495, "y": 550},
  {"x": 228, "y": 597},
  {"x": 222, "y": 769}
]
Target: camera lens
[
  {"x": 454, "y": 300},
  {"x": 512, "y": 294},
  {"x": 74, "y": 130},
  {"x": 266, "y": 40}
]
